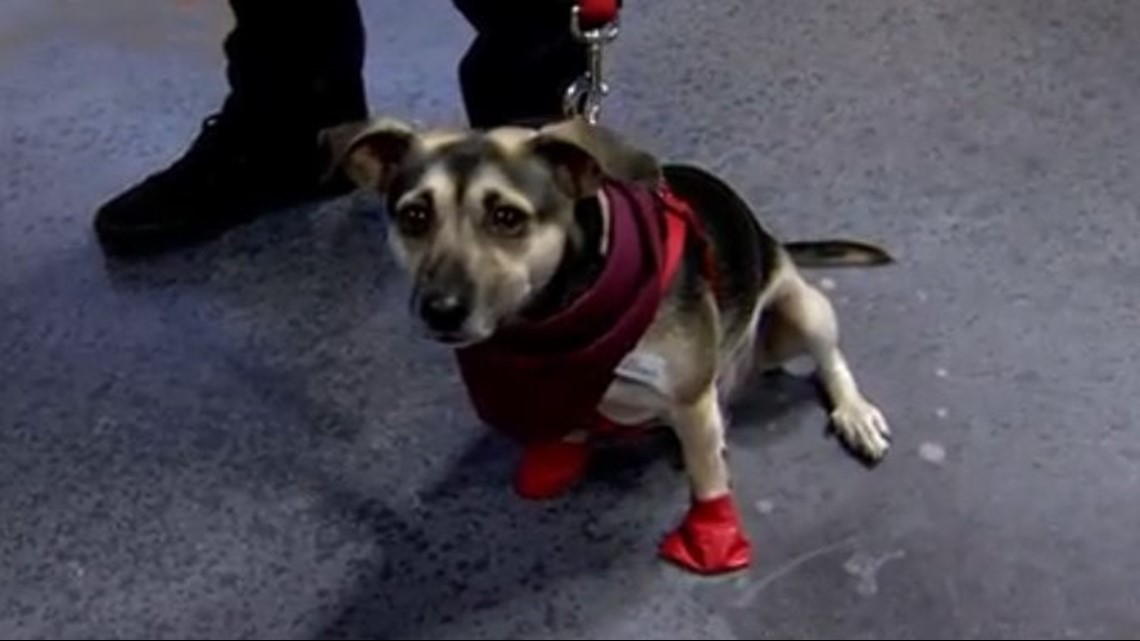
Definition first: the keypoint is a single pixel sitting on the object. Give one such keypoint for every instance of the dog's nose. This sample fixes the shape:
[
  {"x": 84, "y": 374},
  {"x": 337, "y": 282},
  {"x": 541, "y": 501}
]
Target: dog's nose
[{"x": 444, "y": 312}]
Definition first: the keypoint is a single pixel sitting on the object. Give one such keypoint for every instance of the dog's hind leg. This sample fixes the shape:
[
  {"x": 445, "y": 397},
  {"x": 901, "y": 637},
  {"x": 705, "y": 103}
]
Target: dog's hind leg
[
  {"x": 711, "y": 539},
  {"x": 801, "y": 320}
]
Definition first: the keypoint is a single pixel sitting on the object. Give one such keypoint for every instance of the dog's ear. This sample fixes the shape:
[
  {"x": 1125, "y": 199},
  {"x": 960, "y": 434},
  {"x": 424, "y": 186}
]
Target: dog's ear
[
  {"x": 583, "y": 155},
  {"x": 369, "y": 152}
]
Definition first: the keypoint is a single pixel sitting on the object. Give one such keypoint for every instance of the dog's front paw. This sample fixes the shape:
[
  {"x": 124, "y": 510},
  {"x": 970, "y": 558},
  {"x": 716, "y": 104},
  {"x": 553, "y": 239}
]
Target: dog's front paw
[
  {"x": 862, "y": 426},
  {"x": 711, "y": 540}
]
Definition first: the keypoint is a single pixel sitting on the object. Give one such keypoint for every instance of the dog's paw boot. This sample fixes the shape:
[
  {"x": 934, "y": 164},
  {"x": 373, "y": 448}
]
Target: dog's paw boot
[
  {"x": 550, "y": 469},
  {"x": 711, "y": 539}
]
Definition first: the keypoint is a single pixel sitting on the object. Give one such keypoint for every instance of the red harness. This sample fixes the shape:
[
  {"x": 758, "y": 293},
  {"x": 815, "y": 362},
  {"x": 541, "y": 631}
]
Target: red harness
[
  {"x": 679, "y": 219},
  {"x": 540, "y": 380}
]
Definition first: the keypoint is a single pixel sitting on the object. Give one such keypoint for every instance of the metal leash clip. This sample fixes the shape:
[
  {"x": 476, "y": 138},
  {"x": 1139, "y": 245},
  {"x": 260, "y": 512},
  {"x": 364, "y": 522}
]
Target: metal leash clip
[{"x": 584, "y": 96}]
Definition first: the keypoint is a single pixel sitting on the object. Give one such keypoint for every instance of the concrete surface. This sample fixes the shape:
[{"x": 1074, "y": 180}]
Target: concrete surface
[{"x": 247, "y": 439}]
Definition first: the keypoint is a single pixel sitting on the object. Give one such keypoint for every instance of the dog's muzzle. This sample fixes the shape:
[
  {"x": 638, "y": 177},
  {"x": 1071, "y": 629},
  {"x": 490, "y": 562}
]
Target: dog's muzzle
[{"x": 445, "y": 314}]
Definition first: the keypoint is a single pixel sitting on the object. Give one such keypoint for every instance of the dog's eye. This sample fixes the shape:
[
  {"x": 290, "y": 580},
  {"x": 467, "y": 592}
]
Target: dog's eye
[
  {"x": 507, "y": 220},
  {"x": 414, "y": 220}
]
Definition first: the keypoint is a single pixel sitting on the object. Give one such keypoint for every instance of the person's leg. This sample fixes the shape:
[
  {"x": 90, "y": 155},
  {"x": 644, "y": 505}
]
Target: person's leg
[
  {"x": 294, "y": 66},
  {"x": 521, "y": 62}
]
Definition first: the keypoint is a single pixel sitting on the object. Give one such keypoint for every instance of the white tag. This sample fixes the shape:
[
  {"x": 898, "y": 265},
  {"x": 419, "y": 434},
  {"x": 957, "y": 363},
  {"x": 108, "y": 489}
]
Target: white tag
[{"x": 645, "y": 368}]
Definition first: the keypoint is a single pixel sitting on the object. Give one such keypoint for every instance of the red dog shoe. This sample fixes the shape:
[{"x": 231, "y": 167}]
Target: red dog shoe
[
  {"x": 711, "y": 539},
  {"x": 550, "y": 469}
]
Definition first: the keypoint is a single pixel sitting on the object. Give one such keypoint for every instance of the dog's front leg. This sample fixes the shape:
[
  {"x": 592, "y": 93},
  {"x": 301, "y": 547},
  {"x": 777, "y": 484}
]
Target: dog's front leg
[
  {"x": 700, "y": 428},
  {"x": 711, "y": 539},
  {"x": 813, "y": 318}
]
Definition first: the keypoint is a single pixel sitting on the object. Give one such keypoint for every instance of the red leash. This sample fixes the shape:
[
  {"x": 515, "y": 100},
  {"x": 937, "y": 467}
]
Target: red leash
[{"x": 594, "y": 14}]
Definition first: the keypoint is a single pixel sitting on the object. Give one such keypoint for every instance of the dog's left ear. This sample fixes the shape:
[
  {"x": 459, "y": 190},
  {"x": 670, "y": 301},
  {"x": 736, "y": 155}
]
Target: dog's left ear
[
  {"x": 369, "y": 152},
  {"x": 584, "y": 155}
]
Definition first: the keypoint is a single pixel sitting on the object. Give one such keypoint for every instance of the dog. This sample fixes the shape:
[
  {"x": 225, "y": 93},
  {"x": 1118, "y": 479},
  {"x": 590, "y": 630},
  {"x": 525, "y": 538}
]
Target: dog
[{"x": 587, "y": 287}]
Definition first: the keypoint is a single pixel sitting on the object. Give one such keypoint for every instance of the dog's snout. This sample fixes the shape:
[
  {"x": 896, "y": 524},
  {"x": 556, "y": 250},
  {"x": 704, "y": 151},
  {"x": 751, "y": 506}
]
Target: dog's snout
[{"x": 444, "y": 312}]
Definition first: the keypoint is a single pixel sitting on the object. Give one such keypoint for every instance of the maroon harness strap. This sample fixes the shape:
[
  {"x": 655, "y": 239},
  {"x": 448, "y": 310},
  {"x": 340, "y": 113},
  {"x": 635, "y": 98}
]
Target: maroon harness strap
[{"x": 541, "y": 380}]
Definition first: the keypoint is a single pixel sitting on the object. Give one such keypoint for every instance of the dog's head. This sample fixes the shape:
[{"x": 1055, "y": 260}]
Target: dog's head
[{"x": 482, "y": 220}]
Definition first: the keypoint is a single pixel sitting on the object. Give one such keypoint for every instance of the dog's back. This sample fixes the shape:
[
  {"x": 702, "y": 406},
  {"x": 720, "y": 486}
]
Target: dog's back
[{"x": 745, "y": 256}]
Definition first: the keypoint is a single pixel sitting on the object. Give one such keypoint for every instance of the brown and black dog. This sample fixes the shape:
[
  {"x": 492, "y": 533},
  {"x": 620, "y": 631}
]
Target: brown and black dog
[{"x": 502, "y": 230}]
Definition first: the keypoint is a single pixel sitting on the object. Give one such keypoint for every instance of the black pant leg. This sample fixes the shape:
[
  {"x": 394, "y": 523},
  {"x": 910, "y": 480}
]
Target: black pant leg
[
  {"x": 521, "y": 62},
  {"x": 295, "y": 66}
]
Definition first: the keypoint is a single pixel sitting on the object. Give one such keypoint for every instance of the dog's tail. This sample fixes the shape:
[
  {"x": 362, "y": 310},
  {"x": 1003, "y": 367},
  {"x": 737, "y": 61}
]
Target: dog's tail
[{"x": 837, "y": 253}]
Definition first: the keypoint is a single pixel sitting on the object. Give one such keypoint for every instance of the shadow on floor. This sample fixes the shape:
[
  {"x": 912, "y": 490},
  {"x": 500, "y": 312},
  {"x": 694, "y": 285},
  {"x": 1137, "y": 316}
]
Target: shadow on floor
[{"x": 472, "y": 547}]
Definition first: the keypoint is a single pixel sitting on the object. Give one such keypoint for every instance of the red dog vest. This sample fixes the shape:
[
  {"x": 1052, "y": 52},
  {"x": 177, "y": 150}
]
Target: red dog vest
[{"x": 540, "y": 380}]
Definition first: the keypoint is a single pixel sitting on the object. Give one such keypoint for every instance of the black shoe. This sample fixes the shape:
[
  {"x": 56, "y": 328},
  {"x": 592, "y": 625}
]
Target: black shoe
[{"x": 228, "y": 177}]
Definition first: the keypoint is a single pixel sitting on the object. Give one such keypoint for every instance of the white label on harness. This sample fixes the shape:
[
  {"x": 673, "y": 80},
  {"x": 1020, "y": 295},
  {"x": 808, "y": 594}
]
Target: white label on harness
[{"x": 648, "y": 369}]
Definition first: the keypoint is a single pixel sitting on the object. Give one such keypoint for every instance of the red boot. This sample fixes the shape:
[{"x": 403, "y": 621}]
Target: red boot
[
  {"x": 711, "y": 539},
  {"x": 550, "y": 469}
]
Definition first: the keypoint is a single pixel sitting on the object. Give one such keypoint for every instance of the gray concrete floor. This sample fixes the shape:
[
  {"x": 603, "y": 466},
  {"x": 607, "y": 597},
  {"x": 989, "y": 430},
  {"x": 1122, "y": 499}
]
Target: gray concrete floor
[{"x": 248, "y": 439}]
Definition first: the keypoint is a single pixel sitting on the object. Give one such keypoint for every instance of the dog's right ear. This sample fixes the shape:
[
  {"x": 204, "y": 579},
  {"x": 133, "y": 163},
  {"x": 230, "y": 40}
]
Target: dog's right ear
[{"x": 369, "y": 152}]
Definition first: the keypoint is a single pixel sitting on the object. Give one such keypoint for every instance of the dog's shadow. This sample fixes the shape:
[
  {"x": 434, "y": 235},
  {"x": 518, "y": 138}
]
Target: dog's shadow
[
  {"x": 472, "y": 547},
  {"x": 472, "y": 552},
  {"x": 754, "y": 416}
]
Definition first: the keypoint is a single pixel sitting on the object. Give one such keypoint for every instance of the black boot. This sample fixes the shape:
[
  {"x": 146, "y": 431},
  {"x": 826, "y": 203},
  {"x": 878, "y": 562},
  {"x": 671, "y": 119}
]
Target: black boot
[
  {"x": 294, "y": 68},
  {"x": 224, "y": 179}
]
